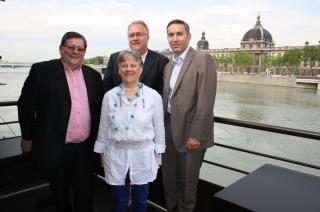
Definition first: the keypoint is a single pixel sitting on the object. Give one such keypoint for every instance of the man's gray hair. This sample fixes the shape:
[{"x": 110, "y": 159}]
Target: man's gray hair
[{"x": 141, "y": 23}]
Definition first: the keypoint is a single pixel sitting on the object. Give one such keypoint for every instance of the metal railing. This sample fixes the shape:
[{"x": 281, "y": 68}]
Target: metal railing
[{"x": 245, "y": 124}]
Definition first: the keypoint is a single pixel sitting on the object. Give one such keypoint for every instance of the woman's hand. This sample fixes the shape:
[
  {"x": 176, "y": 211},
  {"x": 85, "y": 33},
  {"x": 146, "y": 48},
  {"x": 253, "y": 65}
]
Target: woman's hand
[{"x": 102, "y": 159}]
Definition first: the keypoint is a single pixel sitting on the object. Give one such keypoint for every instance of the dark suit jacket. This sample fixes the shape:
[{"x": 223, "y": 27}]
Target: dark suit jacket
[
  {"x": 152, "y": 74},
  {"x": 44, "y": 109},
  {"x": 192, "y": 100}
]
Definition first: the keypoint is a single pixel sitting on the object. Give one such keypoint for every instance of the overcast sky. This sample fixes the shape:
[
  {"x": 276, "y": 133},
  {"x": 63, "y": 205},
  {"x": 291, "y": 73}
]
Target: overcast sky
[{"x": 31, "y": 30}]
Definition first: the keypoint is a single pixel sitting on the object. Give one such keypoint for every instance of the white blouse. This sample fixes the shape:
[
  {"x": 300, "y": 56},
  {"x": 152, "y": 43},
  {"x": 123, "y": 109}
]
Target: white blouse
[{"x": 124, "y": 120}]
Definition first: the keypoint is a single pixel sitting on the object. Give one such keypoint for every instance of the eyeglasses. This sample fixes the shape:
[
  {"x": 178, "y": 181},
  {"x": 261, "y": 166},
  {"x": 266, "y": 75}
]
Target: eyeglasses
[
  {"x": 137, "y": 34},
  {"x": 75, "y": 48}
]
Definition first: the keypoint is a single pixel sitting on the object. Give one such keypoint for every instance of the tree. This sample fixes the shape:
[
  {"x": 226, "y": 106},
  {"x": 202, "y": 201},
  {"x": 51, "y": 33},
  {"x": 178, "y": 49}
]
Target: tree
[
  {"x": 242, "y": 60},
  {"x": 292, "y": 59},
  {"x": 311, "y": 54},
  {"x": 223, "y": 61},
  {"x": 95, "y": 60},
  {"x": 266, "y": 62}
]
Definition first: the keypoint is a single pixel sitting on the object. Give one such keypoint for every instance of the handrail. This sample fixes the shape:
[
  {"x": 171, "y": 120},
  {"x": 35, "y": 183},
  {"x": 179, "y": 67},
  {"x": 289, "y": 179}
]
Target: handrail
[
  {"x": 246, "y": 124},
  {"x": 269, "y": 128},
  {"x": 8, "y": 103},
  {"x": 9, "y": 122}
]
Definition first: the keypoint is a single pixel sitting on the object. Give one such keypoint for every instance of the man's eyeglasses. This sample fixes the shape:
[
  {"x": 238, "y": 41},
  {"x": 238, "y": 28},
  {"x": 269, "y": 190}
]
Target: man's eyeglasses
[
  {"x": 75, "y": 48},
  {"x": 138, "y": 34}
]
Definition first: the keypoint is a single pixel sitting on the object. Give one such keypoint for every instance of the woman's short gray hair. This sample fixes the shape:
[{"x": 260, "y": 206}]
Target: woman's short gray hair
[{"x": 124, "y": 54}]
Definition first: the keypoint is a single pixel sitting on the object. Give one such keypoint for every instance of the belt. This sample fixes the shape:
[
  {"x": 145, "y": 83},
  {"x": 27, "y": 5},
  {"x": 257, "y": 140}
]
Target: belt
[{"x": 131, "y": 144}]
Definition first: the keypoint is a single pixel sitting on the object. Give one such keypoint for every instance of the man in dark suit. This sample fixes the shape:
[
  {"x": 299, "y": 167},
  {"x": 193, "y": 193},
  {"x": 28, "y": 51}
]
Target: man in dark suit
[
  {"x": 59, "y": 112},
  {"x": 188, "y": 98},
  {"x": 153, "y": 62}
]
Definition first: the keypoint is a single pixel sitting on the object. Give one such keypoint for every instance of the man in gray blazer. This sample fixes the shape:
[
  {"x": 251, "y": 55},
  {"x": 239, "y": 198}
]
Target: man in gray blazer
[
  {"x": 189, "y": 91},
  {"x": 153, "y": 62}
]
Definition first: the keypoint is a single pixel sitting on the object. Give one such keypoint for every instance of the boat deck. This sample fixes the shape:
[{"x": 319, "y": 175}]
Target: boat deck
[{"x": 23, "y": 188}]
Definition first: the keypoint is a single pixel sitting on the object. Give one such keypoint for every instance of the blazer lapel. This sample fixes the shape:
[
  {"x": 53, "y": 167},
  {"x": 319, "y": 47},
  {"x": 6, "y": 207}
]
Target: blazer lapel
[
  {"x": 62, "y": 79},
  {"x": 169, "y": 70},
  {"x": 183, "y": 70},
  {"x": 88, "y": 82},
  {"x": 166, "y": 83},
  {"x": 147, "y": 64}
]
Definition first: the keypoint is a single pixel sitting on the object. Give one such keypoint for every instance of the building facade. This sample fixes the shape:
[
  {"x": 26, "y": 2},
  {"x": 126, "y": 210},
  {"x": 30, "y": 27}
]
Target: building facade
[{"x": 259, "y": 42}]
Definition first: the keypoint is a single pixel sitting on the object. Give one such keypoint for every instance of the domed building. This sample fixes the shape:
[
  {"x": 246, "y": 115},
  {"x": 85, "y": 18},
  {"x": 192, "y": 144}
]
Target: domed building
[
  {"x": 257, "y": 37},
  {"x": 258, "y": 42}
]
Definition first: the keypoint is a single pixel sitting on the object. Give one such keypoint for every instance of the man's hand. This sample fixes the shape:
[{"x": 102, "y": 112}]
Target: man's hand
[
  {"x": 192, "y": 144},
  {"x": 26, "y": 145}
]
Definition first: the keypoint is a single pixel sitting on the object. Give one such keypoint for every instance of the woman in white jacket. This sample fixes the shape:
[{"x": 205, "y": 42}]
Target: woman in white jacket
[{"x": 131, "y": 135}]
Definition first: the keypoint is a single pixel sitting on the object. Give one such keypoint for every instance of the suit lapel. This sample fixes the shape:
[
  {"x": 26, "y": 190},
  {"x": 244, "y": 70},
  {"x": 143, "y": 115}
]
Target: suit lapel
[
  {"x": 62, "y": 79},
  {"x": 183, "y": 70},
  {"x": 86, "y": 77},
  {"x": 147, "y": 64},
  {"x": 168, "y": 74}
]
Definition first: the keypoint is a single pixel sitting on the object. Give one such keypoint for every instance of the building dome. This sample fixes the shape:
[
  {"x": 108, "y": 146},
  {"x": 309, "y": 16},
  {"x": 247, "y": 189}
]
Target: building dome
[
  {"x": 203, "y": 44},
  {"x": 257, "y": 33}
]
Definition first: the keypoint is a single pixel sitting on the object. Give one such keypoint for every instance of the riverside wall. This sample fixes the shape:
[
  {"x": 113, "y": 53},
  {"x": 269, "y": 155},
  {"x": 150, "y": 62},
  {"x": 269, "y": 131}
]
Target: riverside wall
[{"x": 286, "y": 81}]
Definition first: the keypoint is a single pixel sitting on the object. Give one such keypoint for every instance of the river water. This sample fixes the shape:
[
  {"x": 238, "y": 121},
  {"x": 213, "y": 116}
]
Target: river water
[{"x": 282, "y": 106}]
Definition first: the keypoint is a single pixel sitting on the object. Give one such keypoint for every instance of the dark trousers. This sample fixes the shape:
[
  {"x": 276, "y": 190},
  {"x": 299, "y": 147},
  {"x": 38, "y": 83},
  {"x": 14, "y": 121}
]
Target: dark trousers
[
  {"x": 120, "y": 196},
  {"x": 180, "y": 173},
  {"x": 71, "y": 181}
]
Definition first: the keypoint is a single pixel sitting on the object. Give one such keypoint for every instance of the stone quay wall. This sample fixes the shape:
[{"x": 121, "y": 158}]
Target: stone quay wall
[{"x": 286, "y": 81}]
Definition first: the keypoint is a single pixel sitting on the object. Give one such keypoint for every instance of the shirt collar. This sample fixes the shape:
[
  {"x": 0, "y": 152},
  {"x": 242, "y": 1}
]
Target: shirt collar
[
  {"x": 66, "y": 68},
  {"x": 181, "y": 57},
  {"x": 144, "y": 56}
]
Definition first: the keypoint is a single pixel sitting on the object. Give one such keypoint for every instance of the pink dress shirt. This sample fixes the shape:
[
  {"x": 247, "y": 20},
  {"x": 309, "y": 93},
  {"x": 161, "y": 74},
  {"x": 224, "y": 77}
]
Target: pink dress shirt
[{"x": 79, "y": 120}]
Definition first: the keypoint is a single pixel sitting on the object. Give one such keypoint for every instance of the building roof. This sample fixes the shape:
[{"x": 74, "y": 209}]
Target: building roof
[{"x": 257, "y": 33}]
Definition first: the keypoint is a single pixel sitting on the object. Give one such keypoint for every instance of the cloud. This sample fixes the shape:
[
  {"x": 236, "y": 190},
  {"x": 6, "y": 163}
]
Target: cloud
[{"x": 31, "y": 31}]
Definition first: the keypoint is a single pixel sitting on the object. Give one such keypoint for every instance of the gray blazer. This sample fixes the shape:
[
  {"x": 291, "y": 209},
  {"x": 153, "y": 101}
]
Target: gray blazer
[{"x": 192, "y": 100}]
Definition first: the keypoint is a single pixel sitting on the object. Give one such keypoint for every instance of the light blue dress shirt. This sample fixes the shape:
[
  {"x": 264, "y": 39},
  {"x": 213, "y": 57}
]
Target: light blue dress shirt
[{"x": 177, "y": 62}]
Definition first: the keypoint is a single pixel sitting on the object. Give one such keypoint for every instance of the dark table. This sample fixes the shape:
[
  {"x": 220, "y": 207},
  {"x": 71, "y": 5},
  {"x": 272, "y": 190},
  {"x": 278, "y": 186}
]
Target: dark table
[{"x": 272, "y": 188}]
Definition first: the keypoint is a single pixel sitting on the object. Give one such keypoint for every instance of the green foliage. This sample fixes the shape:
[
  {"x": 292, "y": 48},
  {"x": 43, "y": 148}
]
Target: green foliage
[
  {"x": 292, "y": 58},
  {"x": 94, "y": 61},
  {"x": 311, "y": 54},
  {"x": 267, "y": 61},
  {"x": 277, "y": 61},
  {"x": 242, "y": 59},
  {"x": 223, "y": 60}
]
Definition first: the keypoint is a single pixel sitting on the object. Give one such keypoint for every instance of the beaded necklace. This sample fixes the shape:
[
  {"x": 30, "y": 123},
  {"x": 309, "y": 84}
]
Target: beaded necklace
[{"x": 116, "y": 126}]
